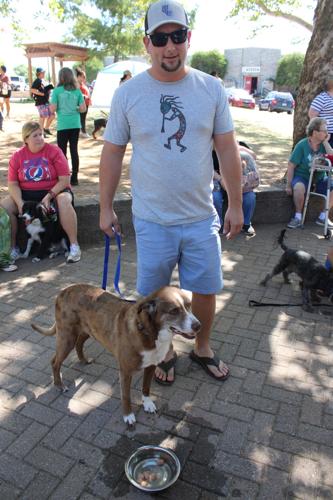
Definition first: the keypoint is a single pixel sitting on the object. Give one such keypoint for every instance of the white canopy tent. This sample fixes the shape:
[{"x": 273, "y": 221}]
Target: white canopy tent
[{"x": 108, "y": 80}]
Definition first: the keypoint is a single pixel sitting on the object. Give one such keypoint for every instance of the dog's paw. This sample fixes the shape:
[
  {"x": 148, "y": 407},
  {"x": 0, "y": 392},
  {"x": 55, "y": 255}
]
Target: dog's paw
[
  {"x": 35, "y": 260},
  {"x": 86, "y": 361},
  {"x": 53, "y": 255},
  {"x": 61, "y": 388},
  {"x": 129, "y": 420},
  {"x": 264, "y": 281},
  {"x": 148, "y": 405}
]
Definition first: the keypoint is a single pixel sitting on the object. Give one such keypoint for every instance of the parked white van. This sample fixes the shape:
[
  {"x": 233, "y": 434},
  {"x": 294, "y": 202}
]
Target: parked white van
[{"x": 18, "y": 83}]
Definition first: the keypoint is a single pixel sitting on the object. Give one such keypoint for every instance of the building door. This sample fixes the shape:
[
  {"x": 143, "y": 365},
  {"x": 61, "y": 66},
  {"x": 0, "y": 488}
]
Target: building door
[
  {"x": 251, "y": 83},
  {"x": 254, "y": 85}
]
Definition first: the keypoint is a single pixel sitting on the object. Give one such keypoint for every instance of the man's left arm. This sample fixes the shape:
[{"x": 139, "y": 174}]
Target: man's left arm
[{"x": 228, "y": 155}]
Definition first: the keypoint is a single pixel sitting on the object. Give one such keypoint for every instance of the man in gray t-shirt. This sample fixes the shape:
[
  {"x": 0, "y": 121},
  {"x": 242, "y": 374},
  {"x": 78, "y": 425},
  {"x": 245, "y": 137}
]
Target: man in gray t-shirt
[{"x": 173, "y": 115}]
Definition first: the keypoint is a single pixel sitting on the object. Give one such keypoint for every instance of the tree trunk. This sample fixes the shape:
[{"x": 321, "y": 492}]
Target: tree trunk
[{"x": 318, "y": 63}]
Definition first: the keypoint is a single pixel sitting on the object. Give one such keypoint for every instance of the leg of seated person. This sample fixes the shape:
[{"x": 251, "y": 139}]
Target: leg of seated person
[
  {"x": 11, "y": 208},
  {"x": 67, "y": 216},
  {"x": 298, "y": 196},
  {"x": 218, "y": 204},
  {"x": 249, "y": 203}
]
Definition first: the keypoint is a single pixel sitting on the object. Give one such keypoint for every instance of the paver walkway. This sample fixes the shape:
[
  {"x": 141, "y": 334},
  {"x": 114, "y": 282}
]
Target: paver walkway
[{"x": 265, "y": 433}]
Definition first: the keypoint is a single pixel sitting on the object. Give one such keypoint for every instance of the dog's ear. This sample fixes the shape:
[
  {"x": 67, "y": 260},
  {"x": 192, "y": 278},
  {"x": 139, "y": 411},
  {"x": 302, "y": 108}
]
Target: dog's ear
[
  {"x": 41, "y": 210},
  {"x": 149, "y": 306}
]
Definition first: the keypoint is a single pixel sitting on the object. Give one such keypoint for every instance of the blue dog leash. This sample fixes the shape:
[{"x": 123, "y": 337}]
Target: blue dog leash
[{"x": 106, "y": 263}]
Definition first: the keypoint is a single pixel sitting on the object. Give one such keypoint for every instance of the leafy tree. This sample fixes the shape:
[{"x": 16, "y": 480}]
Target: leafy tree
[
  {"x": 318, "y": 64},
  {"x": 91, "y": 67},
  {"x": 289, "y": 71},
  {"x": 6, "y": 8},
  {"x": 22, "y": 70},
  {"x": 282, "y": 9},
  {"x": 210, "y": 61}
]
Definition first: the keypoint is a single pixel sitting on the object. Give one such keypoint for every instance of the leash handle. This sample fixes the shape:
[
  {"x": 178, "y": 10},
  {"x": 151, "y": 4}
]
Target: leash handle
[
  {"x": 118, "y": 266},
  {"x": 106, "y": 263}
]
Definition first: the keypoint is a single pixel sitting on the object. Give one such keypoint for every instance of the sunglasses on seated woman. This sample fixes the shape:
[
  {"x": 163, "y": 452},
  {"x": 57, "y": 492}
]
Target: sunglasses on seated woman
[{"x": 161, "y": 39}]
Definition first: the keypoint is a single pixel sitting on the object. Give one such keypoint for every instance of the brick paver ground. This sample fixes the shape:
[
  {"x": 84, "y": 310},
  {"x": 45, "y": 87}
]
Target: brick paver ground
[{"x": 266, "y": 433}]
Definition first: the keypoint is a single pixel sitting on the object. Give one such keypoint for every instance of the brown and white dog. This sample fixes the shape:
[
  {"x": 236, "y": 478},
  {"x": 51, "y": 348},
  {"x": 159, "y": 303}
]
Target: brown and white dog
[{"x": 137, "y": 334}]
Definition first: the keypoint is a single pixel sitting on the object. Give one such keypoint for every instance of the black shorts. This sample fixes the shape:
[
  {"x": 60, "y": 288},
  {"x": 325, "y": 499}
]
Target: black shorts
[
  {"x": 9, "y": 93},
  {"x": 38, "y": 195}
]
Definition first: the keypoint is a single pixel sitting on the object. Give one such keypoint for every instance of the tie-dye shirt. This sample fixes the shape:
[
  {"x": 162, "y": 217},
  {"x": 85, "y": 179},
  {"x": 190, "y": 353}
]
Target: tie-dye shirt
[{"x": 38, "y": 171}]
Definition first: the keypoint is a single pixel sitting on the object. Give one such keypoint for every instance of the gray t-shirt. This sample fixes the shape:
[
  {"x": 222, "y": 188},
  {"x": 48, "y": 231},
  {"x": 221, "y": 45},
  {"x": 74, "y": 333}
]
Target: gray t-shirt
[{"x": 171, "y": 127}]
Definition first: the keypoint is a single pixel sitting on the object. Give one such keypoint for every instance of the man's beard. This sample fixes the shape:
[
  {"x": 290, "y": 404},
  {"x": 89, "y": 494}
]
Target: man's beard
[{"x": 171, "y": 69}]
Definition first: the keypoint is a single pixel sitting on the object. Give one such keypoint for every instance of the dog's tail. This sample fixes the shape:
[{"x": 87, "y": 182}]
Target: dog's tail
[
  {"x": 45, "y": 331},
  {"x": 281, "y": 238}
]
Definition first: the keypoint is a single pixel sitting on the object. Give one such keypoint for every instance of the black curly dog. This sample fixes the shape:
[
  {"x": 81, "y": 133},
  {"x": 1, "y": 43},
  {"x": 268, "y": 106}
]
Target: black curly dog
[{"x": 315, "y": 278}]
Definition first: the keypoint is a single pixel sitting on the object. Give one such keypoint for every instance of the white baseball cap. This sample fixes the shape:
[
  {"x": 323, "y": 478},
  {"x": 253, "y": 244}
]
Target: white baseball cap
[{"x": 163, "y": 12}]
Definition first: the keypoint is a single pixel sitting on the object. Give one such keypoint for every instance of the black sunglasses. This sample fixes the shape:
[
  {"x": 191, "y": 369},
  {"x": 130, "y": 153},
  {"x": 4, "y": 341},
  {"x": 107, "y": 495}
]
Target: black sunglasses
[{"x": 161, "y": 39}]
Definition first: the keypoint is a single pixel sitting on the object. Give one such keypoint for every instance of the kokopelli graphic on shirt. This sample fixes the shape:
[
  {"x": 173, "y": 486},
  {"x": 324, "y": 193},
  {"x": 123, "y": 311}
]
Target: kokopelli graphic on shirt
[{"x": 170, "y": 105}]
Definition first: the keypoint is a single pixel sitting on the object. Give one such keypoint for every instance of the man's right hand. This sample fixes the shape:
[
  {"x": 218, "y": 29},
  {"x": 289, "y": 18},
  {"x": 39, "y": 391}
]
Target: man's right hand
[
  {"x": 289, "y": 190},
  {"x": 108, "y": 222}
]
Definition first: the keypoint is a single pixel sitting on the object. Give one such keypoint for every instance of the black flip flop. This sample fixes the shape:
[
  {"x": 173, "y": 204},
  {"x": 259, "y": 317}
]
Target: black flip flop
[
  {"x": 206, "y": 362},
  {"x": 166, "y": 366}
]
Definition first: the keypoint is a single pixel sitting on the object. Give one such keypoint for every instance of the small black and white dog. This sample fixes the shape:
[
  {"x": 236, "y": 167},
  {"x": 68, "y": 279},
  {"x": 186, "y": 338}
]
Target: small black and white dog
[
  {"x": 44, "y": 228},
  {"x": 315, "y": 278}
]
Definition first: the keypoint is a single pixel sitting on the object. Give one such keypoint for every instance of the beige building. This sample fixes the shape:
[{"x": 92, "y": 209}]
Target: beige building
[{"x": 252, "y": 68}]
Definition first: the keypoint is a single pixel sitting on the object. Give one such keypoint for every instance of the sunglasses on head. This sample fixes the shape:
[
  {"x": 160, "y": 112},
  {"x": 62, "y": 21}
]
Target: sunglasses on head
[{"x": 161, "y": 39}]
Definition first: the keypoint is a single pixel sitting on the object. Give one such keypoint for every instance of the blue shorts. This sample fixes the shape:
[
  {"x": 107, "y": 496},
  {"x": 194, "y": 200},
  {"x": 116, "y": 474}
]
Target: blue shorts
[
  {"x": 321, "y": 186},
  {"x": 195, "y": 247}
]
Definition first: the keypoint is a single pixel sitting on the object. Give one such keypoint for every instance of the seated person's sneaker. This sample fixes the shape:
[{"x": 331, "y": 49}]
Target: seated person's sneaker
[
  {"x": 15, "y": 253},
  {"x": 294, "y": 223},
  {"x": 9, "y": 268},
  {"x": 321, "y": 222},
  {"x": 248, "y": 229},
  {"x": 74, "y": 254}
]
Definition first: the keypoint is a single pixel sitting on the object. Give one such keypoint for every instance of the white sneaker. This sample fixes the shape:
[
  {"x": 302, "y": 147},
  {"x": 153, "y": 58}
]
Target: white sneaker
[
  {"x": 294, "y": 223},
  {"x": 84, "y": 135},
  {"x": 74, "y": 254},
  {"x": 9, "y": 268},
  {"x": 321, "y": 222},
  {"x": 15, "y": 253}
]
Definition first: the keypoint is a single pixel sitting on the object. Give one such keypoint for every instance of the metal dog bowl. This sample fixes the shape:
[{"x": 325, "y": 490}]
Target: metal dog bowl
[{"x": 152, "y": 468}]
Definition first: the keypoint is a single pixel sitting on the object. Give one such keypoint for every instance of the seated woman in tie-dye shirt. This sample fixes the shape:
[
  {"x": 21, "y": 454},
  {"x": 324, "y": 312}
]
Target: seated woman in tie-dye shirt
[{"x": 39, "y": 172}]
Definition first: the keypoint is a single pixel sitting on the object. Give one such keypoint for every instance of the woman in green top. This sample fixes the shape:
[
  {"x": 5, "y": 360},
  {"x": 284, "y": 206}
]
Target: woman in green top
[
  {"x": 67, "y": 100},
  {"x": 299, "y": 167}
]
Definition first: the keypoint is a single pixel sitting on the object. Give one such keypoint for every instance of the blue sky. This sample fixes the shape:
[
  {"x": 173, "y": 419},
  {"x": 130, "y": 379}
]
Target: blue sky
[{"x": 212, "y": 31}]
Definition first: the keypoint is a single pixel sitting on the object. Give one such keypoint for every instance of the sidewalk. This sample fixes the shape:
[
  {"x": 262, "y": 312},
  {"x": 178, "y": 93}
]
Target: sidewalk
[{"x": 266, "y": 433}]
